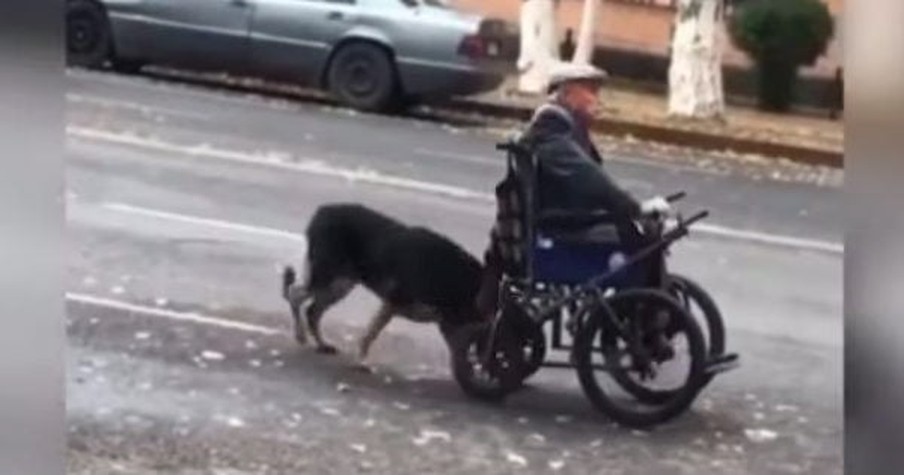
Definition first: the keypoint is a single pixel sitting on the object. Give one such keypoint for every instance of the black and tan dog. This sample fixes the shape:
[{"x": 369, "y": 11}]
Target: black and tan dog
[{"x": 416, "y": 273}]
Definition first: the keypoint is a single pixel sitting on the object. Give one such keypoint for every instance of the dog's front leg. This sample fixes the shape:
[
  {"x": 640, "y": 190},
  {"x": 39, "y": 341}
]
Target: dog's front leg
[{"x": 376, "y": 325}]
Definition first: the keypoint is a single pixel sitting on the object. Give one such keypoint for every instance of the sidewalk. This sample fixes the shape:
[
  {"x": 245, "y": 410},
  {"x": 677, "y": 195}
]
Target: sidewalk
[{"x": 643, "y": 115}]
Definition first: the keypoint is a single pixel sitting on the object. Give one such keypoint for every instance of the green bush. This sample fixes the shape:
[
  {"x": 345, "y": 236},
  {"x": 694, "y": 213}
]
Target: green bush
[{"x": 780, "y": 36}]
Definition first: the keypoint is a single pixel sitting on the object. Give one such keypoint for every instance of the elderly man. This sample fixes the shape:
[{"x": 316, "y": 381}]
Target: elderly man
[{"x": 570, "y": 172}]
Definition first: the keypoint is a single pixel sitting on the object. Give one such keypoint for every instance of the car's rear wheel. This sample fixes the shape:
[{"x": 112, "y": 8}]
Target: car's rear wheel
[
  {"x": 87, "y": 34},
  {"x": 126, "y": 66},
  {"x": 361, "y": 75}
]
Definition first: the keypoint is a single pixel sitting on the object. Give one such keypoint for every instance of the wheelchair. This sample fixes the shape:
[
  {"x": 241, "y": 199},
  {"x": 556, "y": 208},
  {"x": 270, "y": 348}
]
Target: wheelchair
[{"x": 571, "y": 284}]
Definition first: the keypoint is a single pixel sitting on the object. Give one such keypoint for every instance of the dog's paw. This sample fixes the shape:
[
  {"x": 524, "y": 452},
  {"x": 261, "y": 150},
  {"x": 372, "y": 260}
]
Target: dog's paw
[
  {"x": 325, "y": 349},
  {"x": 301, "y": 339}
]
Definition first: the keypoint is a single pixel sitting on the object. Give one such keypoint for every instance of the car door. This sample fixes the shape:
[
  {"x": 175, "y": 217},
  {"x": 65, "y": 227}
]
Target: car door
[
  {"x": 293, "y": 38},
  {"x": 198, "y": 33}
]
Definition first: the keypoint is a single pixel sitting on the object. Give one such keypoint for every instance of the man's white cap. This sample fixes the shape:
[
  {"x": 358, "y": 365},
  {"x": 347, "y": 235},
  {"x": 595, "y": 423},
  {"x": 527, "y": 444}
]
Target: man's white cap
[{"x": 566, "y": 72}]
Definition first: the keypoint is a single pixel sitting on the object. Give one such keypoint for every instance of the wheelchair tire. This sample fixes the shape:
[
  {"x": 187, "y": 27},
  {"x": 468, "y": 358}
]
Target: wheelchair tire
[
  {"x": 687, "y": 292},
  {"x": 526, "y": 333},
  {"x": 504, "y": 374},
  {"x": 595, "y": 328},
  {"x": 534, "y": 347},
  {"x": 693, "y": 292}
]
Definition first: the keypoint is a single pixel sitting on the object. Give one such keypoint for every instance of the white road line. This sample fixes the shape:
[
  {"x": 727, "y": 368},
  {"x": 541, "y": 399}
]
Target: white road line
[
  {"x": 216, "y": 223},
  {"x": 771, "y": 239},
  {"x": 715, "y": 230},
  {"x": 191, "y": 317},
  {"x": 369, "y": 176},
  {"x": 261, "y": 99},
  {"x": 142, "y": 108},
  {"x": 314, "y": 167},
  {"x": 460, "y": 157}
]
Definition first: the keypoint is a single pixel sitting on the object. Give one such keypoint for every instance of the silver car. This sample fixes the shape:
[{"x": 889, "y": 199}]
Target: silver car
[{"x": 370, "y": 54}]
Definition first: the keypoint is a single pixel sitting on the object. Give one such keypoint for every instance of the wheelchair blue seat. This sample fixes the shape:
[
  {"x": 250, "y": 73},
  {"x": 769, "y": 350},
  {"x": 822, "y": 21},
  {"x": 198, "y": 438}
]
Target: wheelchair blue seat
[
  {"x": 572, "y": 248},
  {"x": 555, "y": 246}
]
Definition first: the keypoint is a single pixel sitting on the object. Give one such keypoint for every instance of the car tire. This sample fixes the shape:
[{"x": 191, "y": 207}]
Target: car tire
[
  {"x": 88, "y": 41},
  {"x": 362, "y": 76},
  {"x": 126, "y": 66}
]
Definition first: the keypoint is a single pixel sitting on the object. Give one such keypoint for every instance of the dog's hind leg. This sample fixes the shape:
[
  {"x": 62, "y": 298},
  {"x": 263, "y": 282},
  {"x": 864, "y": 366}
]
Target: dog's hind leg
[
  {"x": 324, "y": 299},
  {"x": 447, "y": 331},
  {"x": 376, "y": 325},
  {"x": 296, "y": 293}
]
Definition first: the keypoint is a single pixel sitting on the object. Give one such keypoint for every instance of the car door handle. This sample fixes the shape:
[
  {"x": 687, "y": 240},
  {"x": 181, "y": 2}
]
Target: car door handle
[
  {"x": 239, "y": 3},
  {"x": 334, "y": 15}
]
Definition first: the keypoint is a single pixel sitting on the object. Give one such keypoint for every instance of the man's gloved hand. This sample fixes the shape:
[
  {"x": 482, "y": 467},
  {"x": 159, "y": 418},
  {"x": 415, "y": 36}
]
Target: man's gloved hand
[{"x": 657, "y": 204}]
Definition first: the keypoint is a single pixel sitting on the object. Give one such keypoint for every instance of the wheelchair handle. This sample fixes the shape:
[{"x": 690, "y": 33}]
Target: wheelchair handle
[
  {"x": 511, "y": 147},
  {"x": 676, "y": 196},
  {"x": 694, "y": 218},
  {"x": 507, "y": 146}
]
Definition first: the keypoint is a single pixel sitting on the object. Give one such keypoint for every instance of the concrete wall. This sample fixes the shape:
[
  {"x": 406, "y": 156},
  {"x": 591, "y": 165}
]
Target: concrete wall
[{"x": 644, "y": 28}]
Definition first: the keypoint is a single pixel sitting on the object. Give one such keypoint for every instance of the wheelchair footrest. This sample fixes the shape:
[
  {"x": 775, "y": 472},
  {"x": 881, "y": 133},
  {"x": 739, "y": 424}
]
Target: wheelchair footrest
[{"x": 722, "y": 363}]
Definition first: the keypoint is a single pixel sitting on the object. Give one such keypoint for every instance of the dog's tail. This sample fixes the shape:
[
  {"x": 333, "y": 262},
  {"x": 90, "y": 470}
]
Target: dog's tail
[
  {"x": 296, "y": 293},
  {"x": 288, "y": 278}
]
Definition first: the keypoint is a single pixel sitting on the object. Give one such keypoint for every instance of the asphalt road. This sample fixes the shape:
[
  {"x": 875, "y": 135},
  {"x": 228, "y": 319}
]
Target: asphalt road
[{"x": 184, "y": 202}]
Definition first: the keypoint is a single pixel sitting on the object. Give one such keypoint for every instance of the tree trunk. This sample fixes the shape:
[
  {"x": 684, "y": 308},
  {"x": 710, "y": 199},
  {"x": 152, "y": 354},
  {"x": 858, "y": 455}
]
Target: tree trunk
[
  {"x": 587, "y": 34},
  {"x": 695, "y": 74},
  {"x": 538, "y": 50},
  {"x": 776, "y": 81}
]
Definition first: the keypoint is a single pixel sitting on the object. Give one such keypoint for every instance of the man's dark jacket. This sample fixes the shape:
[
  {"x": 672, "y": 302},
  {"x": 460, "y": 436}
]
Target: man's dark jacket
[{"x": 570, "y": 175}]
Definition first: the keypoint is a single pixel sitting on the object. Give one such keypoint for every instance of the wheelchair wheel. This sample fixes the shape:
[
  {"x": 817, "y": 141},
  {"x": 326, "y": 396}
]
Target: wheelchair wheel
[
  {"x": 622, "y": 339},
  {"x": 692, "y": 295},
  {"x": 528, "y": 335},
  {"x": 534, "y": 348},
  {"x": 485, "y": 366},
  {"x": 699, "y": 305}
]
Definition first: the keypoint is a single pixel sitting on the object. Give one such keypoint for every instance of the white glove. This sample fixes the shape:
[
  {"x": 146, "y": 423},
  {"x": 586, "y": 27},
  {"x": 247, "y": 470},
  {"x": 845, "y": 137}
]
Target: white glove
[{"x": 657, "y": 204}]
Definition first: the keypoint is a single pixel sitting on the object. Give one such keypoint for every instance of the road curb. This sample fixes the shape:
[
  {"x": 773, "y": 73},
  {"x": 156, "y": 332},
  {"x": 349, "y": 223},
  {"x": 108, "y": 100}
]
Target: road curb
[{"x": 668, "y": 135}]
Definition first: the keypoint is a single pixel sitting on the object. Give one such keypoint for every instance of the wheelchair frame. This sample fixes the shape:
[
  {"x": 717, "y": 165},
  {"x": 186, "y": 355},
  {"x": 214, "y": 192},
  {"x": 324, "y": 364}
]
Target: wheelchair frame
[
  {"x": 526, "y": 176},
  {"x": 543, "y": 302}
]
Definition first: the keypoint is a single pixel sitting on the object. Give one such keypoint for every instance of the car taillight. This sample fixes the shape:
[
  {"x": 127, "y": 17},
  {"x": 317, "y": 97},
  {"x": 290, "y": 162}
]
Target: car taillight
[{"x": 473, "y": 46}]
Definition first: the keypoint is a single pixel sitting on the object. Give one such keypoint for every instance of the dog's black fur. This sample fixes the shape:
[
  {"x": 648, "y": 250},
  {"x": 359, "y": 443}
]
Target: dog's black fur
[{"x": 417, "y": 273}]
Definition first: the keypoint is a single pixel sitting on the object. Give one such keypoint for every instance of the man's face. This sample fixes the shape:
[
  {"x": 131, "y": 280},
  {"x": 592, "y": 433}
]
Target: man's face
[{"x": 582, "y": 97}]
